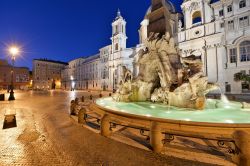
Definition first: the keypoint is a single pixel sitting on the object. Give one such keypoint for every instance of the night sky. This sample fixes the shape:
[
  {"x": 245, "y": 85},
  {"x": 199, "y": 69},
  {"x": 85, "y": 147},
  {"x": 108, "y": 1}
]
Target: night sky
[{"x": 65, "y": 29}]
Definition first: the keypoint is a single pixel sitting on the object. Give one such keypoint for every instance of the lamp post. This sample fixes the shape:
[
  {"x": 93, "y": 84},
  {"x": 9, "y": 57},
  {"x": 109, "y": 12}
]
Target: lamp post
[{"x": 13, "y": 51}]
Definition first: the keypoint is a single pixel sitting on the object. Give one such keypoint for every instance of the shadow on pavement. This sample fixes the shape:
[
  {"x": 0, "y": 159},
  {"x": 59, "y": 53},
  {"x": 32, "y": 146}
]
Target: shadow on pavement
[{"x": 7, "y": 125}]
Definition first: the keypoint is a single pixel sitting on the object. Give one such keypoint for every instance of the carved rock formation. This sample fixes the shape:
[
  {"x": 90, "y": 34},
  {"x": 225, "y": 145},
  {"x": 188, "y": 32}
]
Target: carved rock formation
[{"x": 165, "y": 77}]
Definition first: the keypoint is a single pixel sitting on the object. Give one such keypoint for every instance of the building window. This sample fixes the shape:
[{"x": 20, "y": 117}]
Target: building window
[
  {"x": 243, "y": 72},
  {"x": 245, "y": 86},
  {"x": 196, "y": 17},
  {"x": 116, "y": 29},
  {"x": 228, "y": 87},
  {"x": 222, "y": 25},
  {"x": 116, "y": 47},
  {"x": 231, "y": 25},
  {"x": 242, "y": 4},
  {"x": 221, "y": 13},
  {"x": 233, "y": 55},
  {"x": 245, "y": 51},
  {"x": 229, "y": 8},
  {"x": 244, "y": 21}
]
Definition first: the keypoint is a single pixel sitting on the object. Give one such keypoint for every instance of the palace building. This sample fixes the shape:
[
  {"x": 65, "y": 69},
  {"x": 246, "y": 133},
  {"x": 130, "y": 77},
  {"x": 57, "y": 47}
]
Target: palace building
[
  {"x": 21, "y": 76},
  {"x": 219, "y": 32},
  {"x": 47, "y": 73}
]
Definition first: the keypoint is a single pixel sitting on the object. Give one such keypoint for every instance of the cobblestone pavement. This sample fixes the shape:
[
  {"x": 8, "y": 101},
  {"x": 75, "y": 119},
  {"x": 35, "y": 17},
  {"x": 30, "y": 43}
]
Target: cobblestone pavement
[{"x": 46, "y": 135}]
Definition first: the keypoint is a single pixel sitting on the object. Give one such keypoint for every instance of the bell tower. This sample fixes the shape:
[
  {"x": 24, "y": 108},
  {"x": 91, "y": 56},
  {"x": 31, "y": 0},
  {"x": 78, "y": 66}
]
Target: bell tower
[
  {"x": 119, "y": 37},
  {"x": 197, "y": 12}
]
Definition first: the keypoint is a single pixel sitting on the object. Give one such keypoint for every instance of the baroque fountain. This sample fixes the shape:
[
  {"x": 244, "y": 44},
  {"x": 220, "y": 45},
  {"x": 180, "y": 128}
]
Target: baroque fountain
[
  {"x": 165, "y": 77},
  {"x": 167, "y": 98}
]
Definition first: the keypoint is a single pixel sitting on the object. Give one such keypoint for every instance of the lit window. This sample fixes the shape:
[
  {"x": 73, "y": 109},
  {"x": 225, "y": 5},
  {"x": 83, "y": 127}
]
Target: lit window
[
  {"x": 230, "y": 25},
  {"x": 229, "y": 8},
  {"x": 242, "y": 4},
  {"x": 233, "y": 55},
  {"x": 221, "y": 13},
  {"x": 244, "y": 21},
  {"x": 245, "y": 51}
]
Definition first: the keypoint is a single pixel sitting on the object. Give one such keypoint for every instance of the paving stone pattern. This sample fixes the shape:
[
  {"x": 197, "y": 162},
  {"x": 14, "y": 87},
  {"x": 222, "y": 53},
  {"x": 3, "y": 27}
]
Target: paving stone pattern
[{"x": 47, "y": 135}]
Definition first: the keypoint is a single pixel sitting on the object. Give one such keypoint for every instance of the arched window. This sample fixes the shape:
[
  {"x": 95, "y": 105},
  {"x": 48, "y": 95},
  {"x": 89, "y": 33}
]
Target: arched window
[
  {"x": 196, "y": 18},
  {"x": 245, "y": 51},
  {"x": 242, "y": 4},
  {"x": 116, "y": 47}
]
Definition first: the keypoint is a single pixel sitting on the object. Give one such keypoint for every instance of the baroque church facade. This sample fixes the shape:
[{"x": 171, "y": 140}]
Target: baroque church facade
[
  {"x": 102, "y": 71},
  {"x": 218, "y": 32}
]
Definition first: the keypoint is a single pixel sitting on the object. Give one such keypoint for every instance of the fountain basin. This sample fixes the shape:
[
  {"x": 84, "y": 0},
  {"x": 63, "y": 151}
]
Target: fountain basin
[
  {"x": 226, "y": 123},
  {"x": 215, "y": 111}
]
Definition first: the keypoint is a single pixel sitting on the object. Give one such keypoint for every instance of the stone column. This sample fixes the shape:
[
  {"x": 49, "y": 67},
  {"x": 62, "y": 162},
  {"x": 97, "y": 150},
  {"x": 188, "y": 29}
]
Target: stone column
[
  {"x": 81, "y": 113},
  {"x": 105, "y": 126},
  {"x": 242, "y": 140},
  {"x": 156, "y": 137}
]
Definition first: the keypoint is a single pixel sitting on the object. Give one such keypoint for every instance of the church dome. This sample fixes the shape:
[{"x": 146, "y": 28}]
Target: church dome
[{"x": 168, "y": 4}]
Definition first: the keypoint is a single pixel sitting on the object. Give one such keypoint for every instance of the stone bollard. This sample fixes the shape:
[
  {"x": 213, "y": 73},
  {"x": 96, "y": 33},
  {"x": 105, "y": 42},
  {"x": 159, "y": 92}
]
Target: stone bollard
[
  {"x": 72, "y": 107},
  {"x": 242, "y": 140},
  {"x": 82, "y": 98},
  {"x": 76, "y": 101},
  {"x": 156, "y": 137},
  {"x": 81, "y": 113},
  {"x": 105, "y": 126}
]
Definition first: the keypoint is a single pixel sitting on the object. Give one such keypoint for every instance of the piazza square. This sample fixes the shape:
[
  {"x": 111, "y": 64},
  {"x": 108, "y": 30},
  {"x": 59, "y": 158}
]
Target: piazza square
[{"x": 159, "y": 82}]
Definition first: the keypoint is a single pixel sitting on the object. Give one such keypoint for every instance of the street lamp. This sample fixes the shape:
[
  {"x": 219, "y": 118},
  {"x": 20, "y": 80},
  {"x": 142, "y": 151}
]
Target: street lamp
[{"x": 13, "y": 51}]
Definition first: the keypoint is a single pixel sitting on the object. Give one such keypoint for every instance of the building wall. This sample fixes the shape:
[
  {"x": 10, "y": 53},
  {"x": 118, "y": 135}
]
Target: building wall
[
  {"x": 20, "y": 76},
  {"x": 47, "y": 74},
  {"x": 71, "y": 75}
]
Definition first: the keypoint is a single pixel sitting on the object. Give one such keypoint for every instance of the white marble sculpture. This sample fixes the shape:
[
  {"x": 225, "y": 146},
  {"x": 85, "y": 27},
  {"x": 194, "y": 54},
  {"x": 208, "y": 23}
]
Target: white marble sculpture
[{"x": 166, "y": 77}]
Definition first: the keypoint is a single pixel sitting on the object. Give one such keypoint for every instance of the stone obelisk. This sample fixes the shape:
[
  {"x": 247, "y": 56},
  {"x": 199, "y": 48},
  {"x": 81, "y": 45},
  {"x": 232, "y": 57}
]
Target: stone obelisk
[{"x": 159, "y": 18}]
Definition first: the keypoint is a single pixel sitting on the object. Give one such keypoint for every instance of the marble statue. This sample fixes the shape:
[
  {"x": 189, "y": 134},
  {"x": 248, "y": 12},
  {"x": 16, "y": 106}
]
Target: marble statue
[
  {"x": 126, "y": 75},
  {"x": 165, "y": 77}
]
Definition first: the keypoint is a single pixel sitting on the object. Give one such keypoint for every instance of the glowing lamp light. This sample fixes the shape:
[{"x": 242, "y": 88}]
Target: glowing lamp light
[{"x": 14, "y": 50}]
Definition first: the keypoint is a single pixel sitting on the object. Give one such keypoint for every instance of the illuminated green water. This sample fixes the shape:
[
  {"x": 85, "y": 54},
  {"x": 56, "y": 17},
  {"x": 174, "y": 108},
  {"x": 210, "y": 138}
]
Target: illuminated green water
[{"x": 225, "y": 113}]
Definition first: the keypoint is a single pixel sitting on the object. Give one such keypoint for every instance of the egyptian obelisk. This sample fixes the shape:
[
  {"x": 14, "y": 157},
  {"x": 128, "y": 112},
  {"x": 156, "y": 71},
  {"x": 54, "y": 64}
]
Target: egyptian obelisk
[{"x": 159, "y": 18}]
